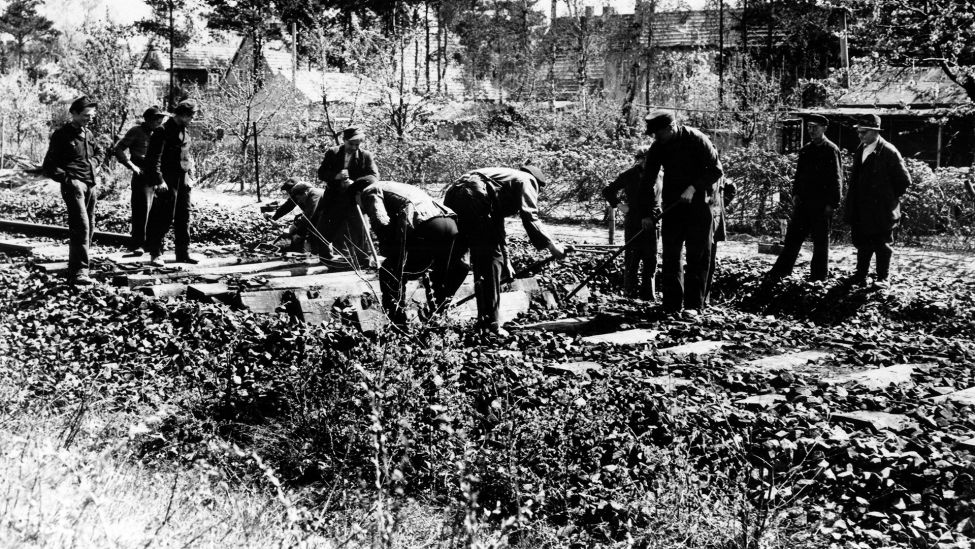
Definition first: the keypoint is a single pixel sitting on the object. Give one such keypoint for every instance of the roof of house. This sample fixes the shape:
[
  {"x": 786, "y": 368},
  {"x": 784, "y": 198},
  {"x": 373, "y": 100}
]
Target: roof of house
[
  {"x": 212, "y": 56},
  {"x": 905, "y": 87}
]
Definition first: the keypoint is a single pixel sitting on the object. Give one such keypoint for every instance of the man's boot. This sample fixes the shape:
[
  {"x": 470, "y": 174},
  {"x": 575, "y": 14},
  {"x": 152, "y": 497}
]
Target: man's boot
[{"x": 863, "y": 265}]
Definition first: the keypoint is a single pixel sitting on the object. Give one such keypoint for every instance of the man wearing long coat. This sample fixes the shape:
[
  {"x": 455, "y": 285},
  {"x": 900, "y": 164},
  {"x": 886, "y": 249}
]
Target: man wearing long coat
[{"x": 878, "y": 180}]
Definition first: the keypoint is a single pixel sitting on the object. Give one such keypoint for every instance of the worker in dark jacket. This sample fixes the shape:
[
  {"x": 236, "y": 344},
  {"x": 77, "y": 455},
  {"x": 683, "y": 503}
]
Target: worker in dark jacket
[
  {"x": 136, "y": 142},
  {"x": 339, "y": 168},
  {"x": 641, "y": 206},
  {"x": 482, "y": 199},
  {"x": 816, "y": 191},
  {"x": 309, "y": 224},
  {"x": 878, "y": 180},
  {"x": 72, "y": 160},
  {"x": 416, "y": 234},
  {"x": 691, "y": 175},
  {"x": 169, "y": 167}
]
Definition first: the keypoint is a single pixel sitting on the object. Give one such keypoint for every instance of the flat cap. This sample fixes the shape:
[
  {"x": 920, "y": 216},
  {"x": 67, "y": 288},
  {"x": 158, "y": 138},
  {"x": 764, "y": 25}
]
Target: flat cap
[
  {"x": 658, "y": 120},
  {"x": 352, "y": 133},
  {"x": 869, "y": 122},
  {"x": 817, "y": 119},
  {"x": 154, "y": 112},
  {"x": 535, "y": 172},
  {"x": 82, "y": 103}
]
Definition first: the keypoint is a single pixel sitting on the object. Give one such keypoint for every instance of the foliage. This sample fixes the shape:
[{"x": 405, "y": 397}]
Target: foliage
[
  {"x": 179, "y": 33},
  {"x": 938, "y": 31},
  {"x": 25, "y": 116},
  {"x": 21, "y": 20},
  {"x": 103, "y": 69},
  {"x": 764, "y": 188}
]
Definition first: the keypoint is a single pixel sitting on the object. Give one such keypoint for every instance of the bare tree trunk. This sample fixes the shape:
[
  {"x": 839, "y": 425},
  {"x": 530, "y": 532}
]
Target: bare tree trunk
[{"x": 439, "y": 49}]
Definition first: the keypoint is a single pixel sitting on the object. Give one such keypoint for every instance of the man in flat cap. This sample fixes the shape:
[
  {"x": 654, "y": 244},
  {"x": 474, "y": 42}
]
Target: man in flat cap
[
  {"x": 339, "y": 168},
  {"x": 640, "y": 207},
  {"x": 168, "y": 167},
  {"x": 136, "y": 142},
  {"x": 72, "y": 161},
  {"x": 878, "y": 180},
  {"x": 482, "y": 199},
  {"x": 310, "y": 224},
  {"x": 691, "y": 175},
  {"x": 816, "y": 191}
]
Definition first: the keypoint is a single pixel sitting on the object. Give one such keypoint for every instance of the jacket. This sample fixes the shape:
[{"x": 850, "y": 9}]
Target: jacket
[
  {"x": 72, "y": 155},
  {"x": 517, "y": 194},
  {"x": 361, "y": 164},
  {"x": 396, "y": 208},
  {"x": 819, "y": 175},
  {"x": 876, "y": 187},
  {"x": 136, "y": 140},
  {"x": 641, "y": 197},
  {"x": 688, "y": 159},
  {"x": 168, "y": 157}
]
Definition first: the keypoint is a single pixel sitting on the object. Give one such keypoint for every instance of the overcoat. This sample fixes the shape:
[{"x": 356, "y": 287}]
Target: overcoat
[{"x": 876, "y": 187}]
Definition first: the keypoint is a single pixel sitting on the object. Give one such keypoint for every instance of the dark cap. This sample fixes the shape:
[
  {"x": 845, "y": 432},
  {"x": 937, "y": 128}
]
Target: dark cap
[
  {"x": 351, "y": 133},
  {"x": 290, "y": 184},
  {"x": 535, "y": 172},
  {"x": 641, "y": 152},
  {"x": 154, "y": 112},
  {"x": 81, "y": 104},
  {"x": 816, "y": 119},
  {"x": 869, "y": 122},
  {"x": 658, "y": 120},
  {"x": 186, "y": 107}
]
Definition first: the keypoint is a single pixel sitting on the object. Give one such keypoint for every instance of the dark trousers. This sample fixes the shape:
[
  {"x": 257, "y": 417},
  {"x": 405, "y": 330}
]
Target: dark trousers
[
  {"x": 481, "y": 232},
  {"x": 639, "y": 259},
  {"x": 806, "y": 222},
  {"x": 80, "y": 201},
  {"x": 869, "y": 244},
  {"x": 142, "y": 196},
  {"x": 689, "y": 226},
  {"x": 171, "y": 208},
  {"x": 430, "y": 245},
  {"x": 712, "y": 264}
]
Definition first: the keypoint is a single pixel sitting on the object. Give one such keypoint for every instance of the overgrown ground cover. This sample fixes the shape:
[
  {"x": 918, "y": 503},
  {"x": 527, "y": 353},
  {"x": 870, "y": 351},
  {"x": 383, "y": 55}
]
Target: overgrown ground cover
[{"x": 443, "y": 438}]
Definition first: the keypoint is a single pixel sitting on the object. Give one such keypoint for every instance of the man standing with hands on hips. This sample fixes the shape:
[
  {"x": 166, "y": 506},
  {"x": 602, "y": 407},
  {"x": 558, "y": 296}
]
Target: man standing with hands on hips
[
  {"x": 169, "y": 167},
  {"x": 691, "y": 174},
  {"x": 71, "y": 160}
]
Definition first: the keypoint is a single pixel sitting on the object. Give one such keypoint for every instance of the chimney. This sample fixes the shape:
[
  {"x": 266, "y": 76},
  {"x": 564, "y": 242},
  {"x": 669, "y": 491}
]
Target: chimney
[
  {"x": 609, "y": 11},
  {"x": 590, "y": 11},
  {"x": 554, "y": 4}
]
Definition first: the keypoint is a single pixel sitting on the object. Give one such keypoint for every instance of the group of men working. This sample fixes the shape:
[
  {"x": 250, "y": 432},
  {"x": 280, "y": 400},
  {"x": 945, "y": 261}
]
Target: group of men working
[
  {"x": 418, "y": 234},
  {"x": 162, "y": 167}
]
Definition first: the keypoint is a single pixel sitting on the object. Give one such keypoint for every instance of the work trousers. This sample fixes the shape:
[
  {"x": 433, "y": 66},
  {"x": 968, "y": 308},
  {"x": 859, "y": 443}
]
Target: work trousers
[
  {"x": 874, "y": 243},
  {"x": 806, "y": 222},
  {"x": 170, "y": 209},
  {"x": 429, "y": 246},
  {"x": 482, "y": 232},
  {"x": 689, "y": 226},
  {"x": 343, "y": 227},
  {"x": 80, "y": 201},
  {"x": 142, "y": 197},
  {"x": 639, "y": 259}
]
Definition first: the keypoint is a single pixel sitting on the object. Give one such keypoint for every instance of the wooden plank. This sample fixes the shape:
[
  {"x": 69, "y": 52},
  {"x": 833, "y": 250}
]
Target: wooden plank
[
  {"x": 257, "y": 268},
  {"x": 696, "y": 348},
  {"x": 569, "y": 325},
  {"x": 58, "y": 231},
  {"x": 580, "y": 368},
  {"x": 260, "y": 302},
  {"x": 635, "y": 336},
  {"x": 209, "y": 292},
  {"x": 786, "y": 361},
  {"x": 769, "y": 248},
  {"x": 878, "y": 378},
  {"x": 877, "y": 421},
  {"x": 325, "y": 280},
  {"x": 17, "y": 246},
  {"x": 137, "y": 262},
  {"x": 512, "y": 305},
  {"x": 163, "y": 290}
]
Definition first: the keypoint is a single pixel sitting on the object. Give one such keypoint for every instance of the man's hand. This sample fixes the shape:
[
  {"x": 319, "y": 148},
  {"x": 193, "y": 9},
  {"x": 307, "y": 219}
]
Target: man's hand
[
  {"x": 135, "y": 169},
  {"x": 162, "y": 188},
  {"x": 687, "y": 195},
  {"x": 556, "y": 250}
]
